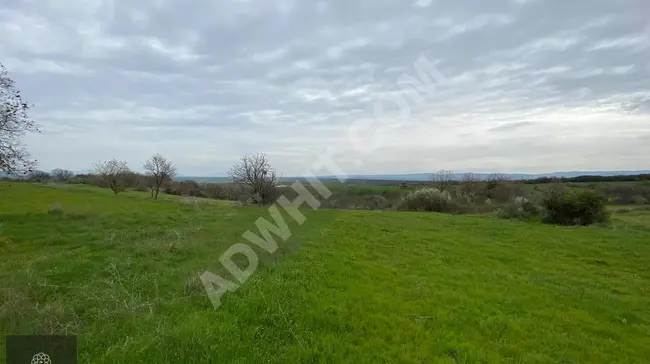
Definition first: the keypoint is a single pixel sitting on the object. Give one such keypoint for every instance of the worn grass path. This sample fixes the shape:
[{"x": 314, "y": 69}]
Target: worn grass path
[{"x": 348, "y": 286}]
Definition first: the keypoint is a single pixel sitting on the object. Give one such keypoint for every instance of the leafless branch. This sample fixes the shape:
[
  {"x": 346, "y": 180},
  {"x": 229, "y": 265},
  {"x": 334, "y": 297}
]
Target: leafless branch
[
  {"x": 256, "y": 172},
  {"x": 160, "y": 170},
  {"x": 62, "y": 175},
  {"x": 443, "y": 179},
  {"x": 111, "y": 171},
  {"x": 14, "y": 124}
]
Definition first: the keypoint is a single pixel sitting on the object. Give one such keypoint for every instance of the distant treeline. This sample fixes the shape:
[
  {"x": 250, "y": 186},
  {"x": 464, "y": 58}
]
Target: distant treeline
[
  {"x": 589, "y": 179},
  {"x": 541, "y": 180}
]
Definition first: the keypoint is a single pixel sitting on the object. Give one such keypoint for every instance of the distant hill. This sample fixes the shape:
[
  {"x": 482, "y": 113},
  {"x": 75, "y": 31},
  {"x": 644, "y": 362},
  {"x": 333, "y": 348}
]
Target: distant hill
[
  {"x": 414, "y": 177},
  {"x": 516, "y": 176},
  {"x": 203, "y": 179}
]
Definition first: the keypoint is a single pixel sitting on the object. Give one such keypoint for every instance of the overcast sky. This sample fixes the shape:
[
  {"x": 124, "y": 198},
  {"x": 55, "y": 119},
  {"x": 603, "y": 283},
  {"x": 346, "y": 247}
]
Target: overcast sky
[{"x": 520, "y": 85}]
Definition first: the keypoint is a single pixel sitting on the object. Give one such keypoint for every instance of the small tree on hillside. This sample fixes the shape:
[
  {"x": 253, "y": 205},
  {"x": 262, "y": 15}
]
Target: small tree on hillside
[
  {"x": 495, "y": 179},
  {"x": 14, "y": 124},
  {"x": 111, "y": 171},
  {"x": 470, "y": 186},
  {"x": 62, "y": 175},
  {"x": 130, "y": 179},
  {"x": 160, "y": 170},
  {"x": 442, "y": 180},
  {"x": 495, "y": 186},
  {"x": 256, "y": 172}
]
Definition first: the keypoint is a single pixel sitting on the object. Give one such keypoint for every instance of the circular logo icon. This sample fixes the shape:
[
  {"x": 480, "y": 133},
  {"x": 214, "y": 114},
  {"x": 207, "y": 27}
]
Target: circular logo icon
[{"x": 41, "y": 358}]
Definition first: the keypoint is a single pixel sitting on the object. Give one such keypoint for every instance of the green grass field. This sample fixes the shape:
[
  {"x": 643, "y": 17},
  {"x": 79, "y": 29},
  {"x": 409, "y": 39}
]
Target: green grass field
[{"x": 121, "y": 272}]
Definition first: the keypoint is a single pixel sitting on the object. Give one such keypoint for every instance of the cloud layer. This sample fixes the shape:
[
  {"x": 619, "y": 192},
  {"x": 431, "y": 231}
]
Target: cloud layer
[{"x": 523, "y": 85}]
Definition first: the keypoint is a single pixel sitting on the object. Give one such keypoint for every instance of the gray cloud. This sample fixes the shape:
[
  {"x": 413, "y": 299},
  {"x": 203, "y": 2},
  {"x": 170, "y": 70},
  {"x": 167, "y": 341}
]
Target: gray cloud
[
  {"x": 511, "y": 126},
  {"x": 529, "y": 85}
]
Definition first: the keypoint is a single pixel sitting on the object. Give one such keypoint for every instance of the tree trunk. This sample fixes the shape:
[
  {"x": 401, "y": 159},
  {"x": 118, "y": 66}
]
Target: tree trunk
[
  {"x": 113, "y": 186},
  {"x": 157, "y": 187}
]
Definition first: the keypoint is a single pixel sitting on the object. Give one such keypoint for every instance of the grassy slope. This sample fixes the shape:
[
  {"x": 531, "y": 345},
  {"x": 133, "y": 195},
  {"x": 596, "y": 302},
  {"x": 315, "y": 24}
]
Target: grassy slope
[{"x": 347, "y": 286}]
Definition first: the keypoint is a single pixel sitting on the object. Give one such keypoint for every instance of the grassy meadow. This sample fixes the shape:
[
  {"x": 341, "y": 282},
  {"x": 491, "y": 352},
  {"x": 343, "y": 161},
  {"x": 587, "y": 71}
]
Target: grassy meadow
[{"x": 121, "y": 272}]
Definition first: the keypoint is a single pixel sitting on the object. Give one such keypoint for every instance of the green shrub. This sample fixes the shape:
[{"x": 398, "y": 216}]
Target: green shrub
[
  {"x": 626, "y": 193},
  {"x": 519, "y": 208},
  {"x": 428, "y": 199},
  {"x": 574, "y": 207}
]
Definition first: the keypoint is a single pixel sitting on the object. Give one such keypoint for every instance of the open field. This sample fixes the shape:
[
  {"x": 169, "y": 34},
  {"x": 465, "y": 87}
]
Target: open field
[{"x": 348, "y": 286}]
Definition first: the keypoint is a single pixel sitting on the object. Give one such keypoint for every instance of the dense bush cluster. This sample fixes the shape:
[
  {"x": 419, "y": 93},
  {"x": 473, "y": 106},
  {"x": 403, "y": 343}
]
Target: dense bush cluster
[
  {"x": 219, "y": 191},
  {"x": 123, "y": 181},
  {"x": 140, "y": 182},
  {"x": 560, "y": 205},
  {"x": 625, "y": 193},
  {"x": 428, "y": 199},
  {"x": 574, "y": 206},
  {"x": 519, "y": 208},
  {"x": 472, "y": 195},
  {"x": 577, "y": 179}
]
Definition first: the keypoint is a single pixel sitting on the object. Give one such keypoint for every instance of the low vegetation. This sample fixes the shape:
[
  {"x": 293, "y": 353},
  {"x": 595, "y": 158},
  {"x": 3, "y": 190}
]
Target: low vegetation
[
  {"x": 121, "y": 272},
  {"x": 254, "y": 182},
  {"x": 519, "y": 208},
  {"x": 428, "y": 199},
  {"x": 575, "y": 207}
]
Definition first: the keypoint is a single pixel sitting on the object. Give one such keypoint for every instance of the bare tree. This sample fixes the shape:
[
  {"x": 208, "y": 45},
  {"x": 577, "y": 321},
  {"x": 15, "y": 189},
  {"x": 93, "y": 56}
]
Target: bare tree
[
  {"x": 62, "y": 175},
  {"x": 495, "y": 179},
  {"x": 256, "y": 172},
  {"x": 470, "y": 186},
  {"x": 14, "y": 124},
  {"x": 160, "y": 170},
  {"x": 111, "y": 171},
  {"x": 443, "y": 179},
  {"x": 39, "y": 176},
  {"x": 497, "y": 186},
  {"x": 499, "y": 177}
]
